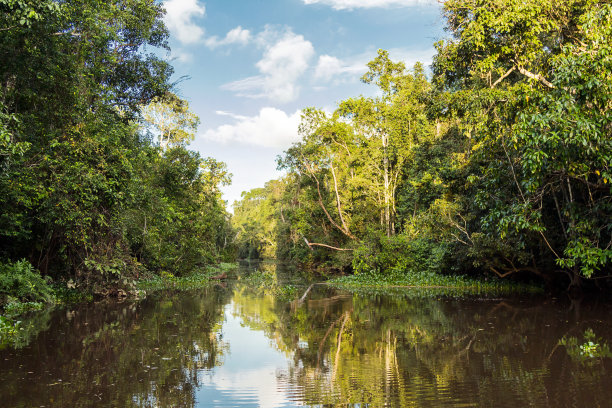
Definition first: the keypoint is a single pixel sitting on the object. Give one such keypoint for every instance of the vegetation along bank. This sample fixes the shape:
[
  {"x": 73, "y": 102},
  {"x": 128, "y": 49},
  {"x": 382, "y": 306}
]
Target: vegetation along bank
[{"x": 493, "y": 163}]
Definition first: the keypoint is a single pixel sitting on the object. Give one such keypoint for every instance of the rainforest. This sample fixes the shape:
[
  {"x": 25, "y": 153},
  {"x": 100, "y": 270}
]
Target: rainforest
[
  {"x": 495, "y": 162},
  {"x": 484, "y": 175}
]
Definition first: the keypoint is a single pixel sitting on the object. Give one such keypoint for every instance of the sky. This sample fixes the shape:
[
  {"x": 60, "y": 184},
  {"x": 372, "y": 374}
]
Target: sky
[{"x": 248, "y": 67}]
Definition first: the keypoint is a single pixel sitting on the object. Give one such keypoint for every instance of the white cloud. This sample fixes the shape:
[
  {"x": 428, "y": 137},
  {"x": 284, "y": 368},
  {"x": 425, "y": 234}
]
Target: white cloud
[
  {"x": 271, "y": 35},
  {"x": 330, "y": 67},
  {"x": 237, "y": 35},
  {"x": 270, "y": 128},
  {"x": 284, "y": 61},
  {"x": 179, "y": 20},
  {"x": 352, "y": 4}
]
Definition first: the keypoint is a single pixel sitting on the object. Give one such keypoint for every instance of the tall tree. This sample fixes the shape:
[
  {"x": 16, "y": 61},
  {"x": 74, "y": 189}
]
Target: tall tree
[{"x": 391, "y": 124}]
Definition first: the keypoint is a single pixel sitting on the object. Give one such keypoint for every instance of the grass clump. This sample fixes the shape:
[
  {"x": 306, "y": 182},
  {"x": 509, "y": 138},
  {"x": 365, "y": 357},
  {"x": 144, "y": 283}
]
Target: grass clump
[
  {"x": 18, "y": 308},
  {"x": 22, "y": 290}
]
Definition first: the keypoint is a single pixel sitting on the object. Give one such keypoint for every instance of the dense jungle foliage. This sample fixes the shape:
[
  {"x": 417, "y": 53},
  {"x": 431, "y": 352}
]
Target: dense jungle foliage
[
  {"x": 498, "y": 163},
  {"x": 96, "y": 182}
]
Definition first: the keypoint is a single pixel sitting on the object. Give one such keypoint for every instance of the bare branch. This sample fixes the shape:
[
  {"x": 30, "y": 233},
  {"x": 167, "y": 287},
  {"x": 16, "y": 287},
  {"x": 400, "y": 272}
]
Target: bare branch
[
  {"x": 307, "y": 243},
  {"x": 311, "y": 244},
  {"x": 501, "y": 78},
  {"x": 72, "y": 33},
  {"x": 501, "y": 275},
  {"x": 329, "y": 217},
  {"x": 537, "y": 77}
]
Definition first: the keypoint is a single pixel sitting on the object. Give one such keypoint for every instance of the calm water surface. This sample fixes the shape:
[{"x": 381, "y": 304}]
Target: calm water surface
[{"x": 245, "y": 346}]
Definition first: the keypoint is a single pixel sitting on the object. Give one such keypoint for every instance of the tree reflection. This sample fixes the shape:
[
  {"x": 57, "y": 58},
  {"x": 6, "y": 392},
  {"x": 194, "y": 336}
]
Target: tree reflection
[
  {"x": 145, "y": 354},
  {"x": 403, "y": 349},
  {"x": 412, "y": 350}
]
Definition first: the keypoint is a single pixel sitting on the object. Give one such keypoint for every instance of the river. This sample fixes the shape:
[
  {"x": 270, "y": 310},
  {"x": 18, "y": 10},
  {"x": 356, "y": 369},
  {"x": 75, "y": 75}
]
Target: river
[{"x": 239, "y": 344}]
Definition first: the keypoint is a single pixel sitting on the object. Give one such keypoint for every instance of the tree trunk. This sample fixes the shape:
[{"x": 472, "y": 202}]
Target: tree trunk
[{"x": 385, "y": 144}]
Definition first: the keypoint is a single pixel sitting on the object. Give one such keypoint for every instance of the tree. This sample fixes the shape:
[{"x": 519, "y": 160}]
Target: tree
[
  {"x": 510, "y": 78},
  {"x": 391, "y": 124},
  {"x": 75, "y": 167},
  {"x": 172, "y": 121}
]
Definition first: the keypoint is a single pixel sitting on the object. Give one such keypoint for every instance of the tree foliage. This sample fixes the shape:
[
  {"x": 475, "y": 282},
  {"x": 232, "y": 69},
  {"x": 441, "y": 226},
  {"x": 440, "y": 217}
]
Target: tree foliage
[
  {"x": 84, "y": 192},
  {"x": 499, "y": 163},
  {"x": 528, "y": 84},
  {"x": 172, "y": 121},
  {"x": 255, "y": 219}
]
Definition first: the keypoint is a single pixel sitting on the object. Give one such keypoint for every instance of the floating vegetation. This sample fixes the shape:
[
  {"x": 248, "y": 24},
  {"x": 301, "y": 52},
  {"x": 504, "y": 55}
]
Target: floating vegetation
[
  {"x": 586, "y": 348},
  {"x": 166, "y": 280},
  {"x": 432, "y": 283}
]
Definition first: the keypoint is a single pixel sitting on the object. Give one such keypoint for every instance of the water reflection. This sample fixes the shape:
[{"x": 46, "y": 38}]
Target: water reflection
[
  {"x": 143, "y": 354},
  {"x": 255, "y": 344}
]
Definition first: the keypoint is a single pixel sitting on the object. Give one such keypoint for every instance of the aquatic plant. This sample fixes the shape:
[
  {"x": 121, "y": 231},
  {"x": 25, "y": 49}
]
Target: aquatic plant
[
  {"x": 201, "y": 279},
  {"x": 431, "y": 280}
]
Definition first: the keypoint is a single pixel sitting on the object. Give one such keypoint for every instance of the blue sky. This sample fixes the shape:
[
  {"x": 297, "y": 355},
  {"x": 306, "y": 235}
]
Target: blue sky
[{"x": 252, "y": 65}]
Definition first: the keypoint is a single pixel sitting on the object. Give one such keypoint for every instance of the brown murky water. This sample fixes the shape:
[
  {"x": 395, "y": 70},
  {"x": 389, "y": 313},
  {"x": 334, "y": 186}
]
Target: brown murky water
[{"x": 239, "y": 346}]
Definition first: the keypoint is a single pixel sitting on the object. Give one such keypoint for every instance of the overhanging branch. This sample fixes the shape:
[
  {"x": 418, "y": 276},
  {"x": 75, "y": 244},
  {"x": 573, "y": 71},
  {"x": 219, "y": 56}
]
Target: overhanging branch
[
  {"x": 329, "y": 217},
  {"x": 329, "y": 246},
  {"x": 311, "y": 244}
]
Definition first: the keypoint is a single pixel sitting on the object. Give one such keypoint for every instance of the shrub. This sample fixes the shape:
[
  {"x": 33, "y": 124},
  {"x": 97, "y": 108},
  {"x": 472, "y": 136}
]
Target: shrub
[
  {"x": 22, "y": 281},
  {"x": 399, "y": 255}
]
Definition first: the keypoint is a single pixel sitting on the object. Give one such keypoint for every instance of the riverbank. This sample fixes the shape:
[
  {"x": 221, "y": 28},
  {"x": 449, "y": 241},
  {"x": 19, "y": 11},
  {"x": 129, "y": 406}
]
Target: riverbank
[{"x": 25, "y": 294}]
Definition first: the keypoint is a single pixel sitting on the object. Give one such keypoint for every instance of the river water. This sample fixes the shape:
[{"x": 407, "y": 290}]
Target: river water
[{"x": 241, "y": 344}]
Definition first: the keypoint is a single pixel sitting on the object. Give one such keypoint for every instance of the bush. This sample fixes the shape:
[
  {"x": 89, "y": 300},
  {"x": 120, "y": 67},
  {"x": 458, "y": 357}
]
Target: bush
[
  {"x": 399, "y": 255},
  {"x": 22, "y": 281}
]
